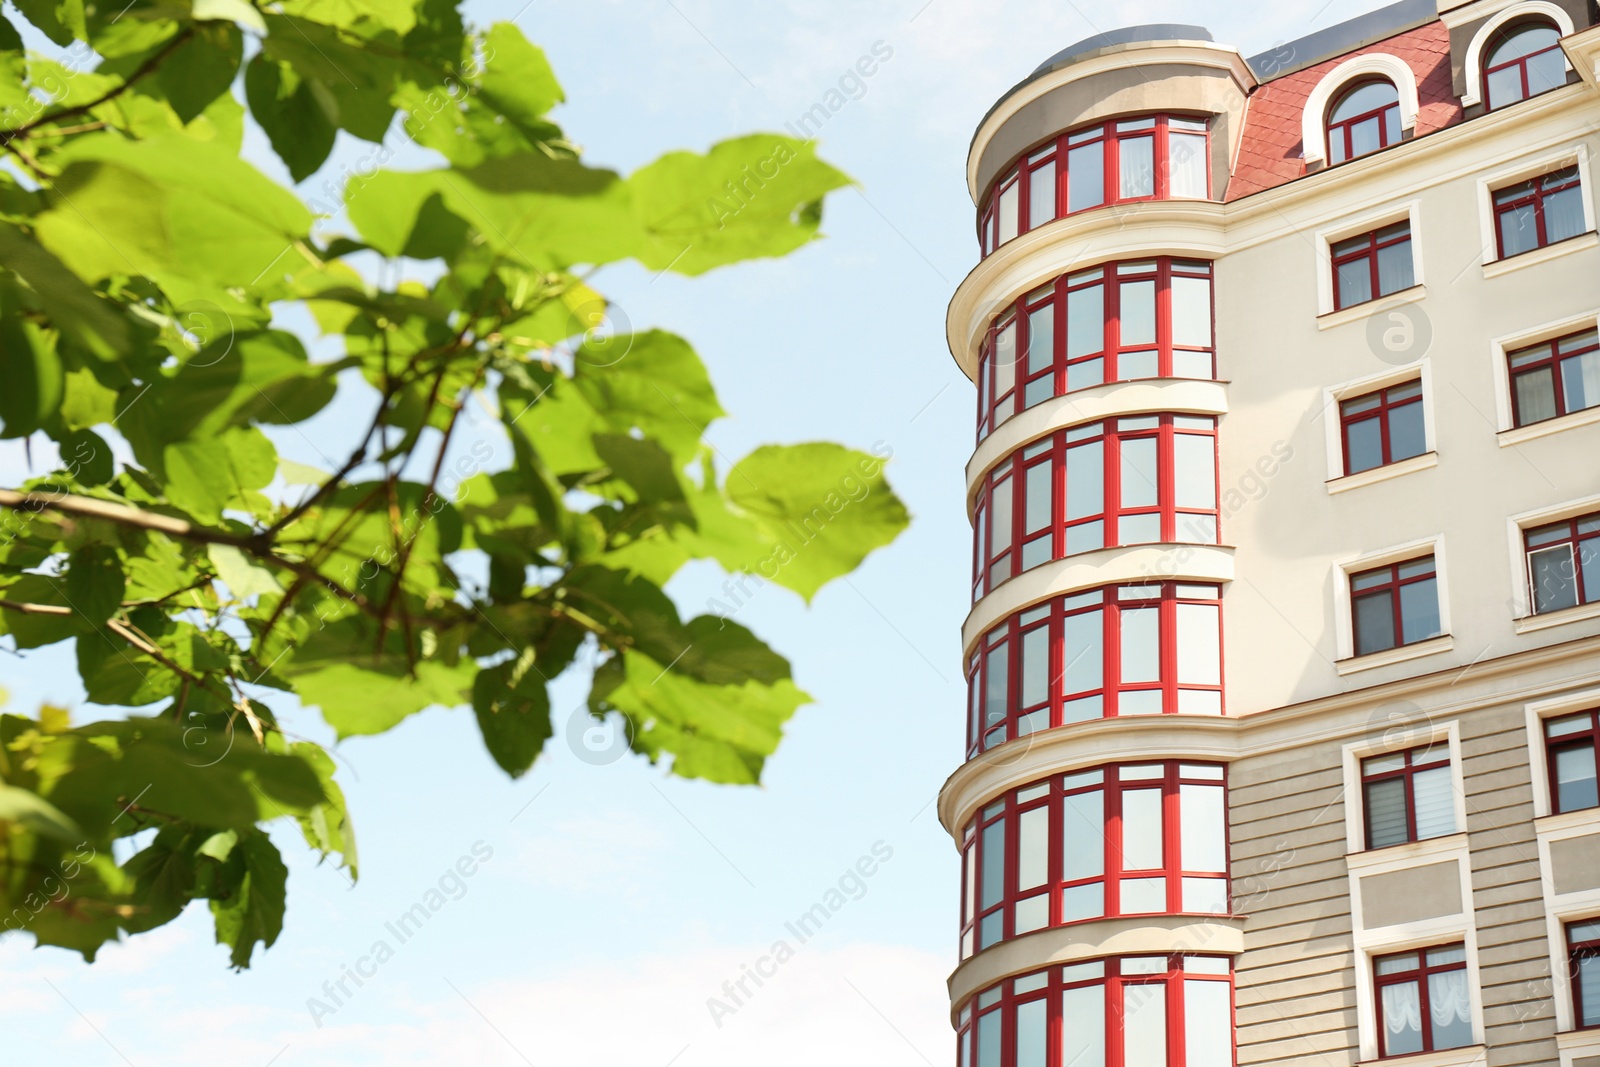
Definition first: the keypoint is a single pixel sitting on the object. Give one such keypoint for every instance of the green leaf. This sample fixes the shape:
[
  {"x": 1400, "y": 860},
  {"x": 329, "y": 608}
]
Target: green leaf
[
  {"x": 749, "y": 197},
  {"x": 396, "y": 15},
  {"x": 87, "y": 457},
  {"x": 32, "y": 373},
  {"x": 95, "y": 584},
  {"x": 360, "y": 693},
  {"x": 36, "y": 631},
  {"x": 327, "y": 826},
  {"x": 252, "y": 912},
  {"x": 297, "y": 118},
  {"x": 59, "y": 20},
  {"x": 513, "y": 711},
  {"x": 201, "y": 69},
  {"x": 517, "y": 78},
  {"x": 36, "y": 815},
  {"x": 236, "y": 11},
  {"x": 72, "y": 305},
  {"x": 204, "y": 477},
  {"x": 244, "y": 578}
]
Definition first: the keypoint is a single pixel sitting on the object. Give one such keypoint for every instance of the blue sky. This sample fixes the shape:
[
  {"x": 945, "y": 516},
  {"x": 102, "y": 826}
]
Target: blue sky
[{"x": 608, "y": 902}]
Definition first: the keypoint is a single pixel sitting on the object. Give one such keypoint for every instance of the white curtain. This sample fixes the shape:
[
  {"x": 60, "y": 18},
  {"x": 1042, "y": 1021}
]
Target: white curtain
[
  {"x": 1447, "y": 999},
  {"x": 1402, "y": 1008}
]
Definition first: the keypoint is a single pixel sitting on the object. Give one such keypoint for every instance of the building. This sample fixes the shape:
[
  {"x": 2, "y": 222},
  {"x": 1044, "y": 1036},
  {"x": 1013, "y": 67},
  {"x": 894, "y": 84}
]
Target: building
[{"x": 1295, "y": 356}]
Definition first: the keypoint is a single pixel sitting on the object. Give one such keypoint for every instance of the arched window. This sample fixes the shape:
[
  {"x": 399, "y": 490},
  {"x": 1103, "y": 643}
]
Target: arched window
[
  {"x": 1524, "y": 59},
  {"x": 1363, "y": 119}
]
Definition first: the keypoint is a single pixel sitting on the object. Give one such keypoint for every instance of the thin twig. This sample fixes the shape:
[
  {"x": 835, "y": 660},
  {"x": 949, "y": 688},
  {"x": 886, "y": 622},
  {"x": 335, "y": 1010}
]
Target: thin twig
[{"x": 143, "y": 70}]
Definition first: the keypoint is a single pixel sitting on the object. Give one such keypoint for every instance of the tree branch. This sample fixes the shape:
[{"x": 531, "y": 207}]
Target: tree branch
[{"x": 143, "y": 70}]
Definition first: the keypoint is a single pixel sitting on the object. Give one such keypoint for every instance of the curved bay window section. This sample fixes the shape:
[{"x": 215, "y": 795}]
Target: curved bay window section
[
  {"x": 1117, "y": 322},
  {"x": 1121, "y": 1011},
  {"x": 1118, "y": 650},
  {"x": 1126, "y": 839},
  {"x": 1139, "y": 479},
  {"x": 1152, "y": 157}
]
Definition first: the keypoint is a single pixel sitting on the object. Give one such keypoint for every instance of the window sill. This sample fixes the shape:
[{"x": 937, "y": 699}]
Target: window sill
[
  {"x": 1582, "y": 242},
  {"x": 1389, "y": 656},
  {"x": 1450, "y": 1057},
  {"x": 1358, "y": 312},
  {"x": 1532, "y": 431},
  {"x": 1534, "y": 623},
  {"x": 1586, "y": 1040},
  {"x": 1382, "y": 474},
  {"x": 1567, "y": 821},
  {"x": 1406, "y": 855}
]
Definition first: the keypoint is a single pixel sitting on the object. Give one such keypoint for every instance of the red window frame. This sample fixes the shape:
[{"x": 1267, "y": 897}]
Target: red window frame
[
  {"x": 1370, "y": 245},
  {"x": 1392, "y": 588},
  {"x": 1576, "y": 951},
  {"x": 1578, "y": 534},
  {"x": 1417, "y": 760},
  {"x": 1420, "y": 976},
  {"x": 1344, "y": 126},
  {"x": 1534, "y": 192},
  {"x": 1053, "y": 153},
  {"x": 997, "y": 716},
  {"x": 1002, "y": 1002},
  {"x": 1014, "y": 477},
  {"x": 1034, "y": 377},
  {"x": 1549, "y": 355},
  {"x": 1112, "y": 782},
  {"x": 1555, "y": 744},
  {"x": 1502, "y": 37},
  {"x": 1388, "y": 405}
]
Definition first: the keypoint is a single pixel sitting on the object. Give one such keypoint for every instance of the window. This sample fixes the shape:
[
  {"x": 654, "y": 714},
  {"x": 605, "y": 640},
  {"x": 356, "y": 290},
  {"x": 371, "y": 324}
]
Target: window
[
  {"x": 1115, "y": 322},
  {"x": 1423, "y": 1001},
  {"x": 1564, "y": 563},
  {"x": 1134, "y": 480},
  {"x": 1407, "y": 796},
  {"x": 1363, "y": 119},
  {"x": 1539, "y": 212},
  {"x": 1129, "y": 1011},
  {"x": 1571, "y": 742},
  {"x": 1524, "y": 60},
  {"x": 1118, "y": 650},
  {"x": 1128, "y": 839},
  {"x": 1383, "y": 427},
  {"x": 1583, "y": 951},
  {"x": 1555, "y": 378},
  {"x": 1372, "y": 265},
  {"x": 1155, "y": 157},
  {"x": 1395, "y": 605}
]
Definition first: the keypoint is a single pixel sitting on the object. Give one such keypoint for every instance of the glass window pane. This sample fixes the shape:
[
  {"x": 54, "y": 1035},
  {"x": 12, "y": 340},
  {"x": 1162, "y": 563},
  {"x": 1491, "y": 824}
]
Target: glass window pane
[
  {"x": 1363, "y": 445},
  {"x": 1041, "y": 338},
  {"x": 1554, "y": 578},
  {"x": 1083, "y": 1026},
  {"x": 1082, "y": 835},
  {"x": 1207, "y": 1024},
  {"x": 1035, "y": 666},
  {"x": 989, "y": 1031},
  {"x": 1141, "y": 645},
  {"x": 1139, "y": 474},
  {"x": 1199, "y": 644},
  {"x": 1136, "y": 161},
  {"x": 1090, "y": 372},
  {"x": 1089, "y": 536},
  {"x": 1407, "y": 436},
  {"x": 1355, "y": 282},
  {"x": 1086, "y": 176},
  {"x": 1039, "y": 494},
  {"x": 1419, "y": 611},
  {"x": 1401, "y": 1005},
  {"x": 1142, "y": 896},
  {"x": 1575, "y": 777},
  {"x": 1203, "y": 833},
  {"x": 1386, "y": 813},
  {"x": 1142, "y": 833},
  {"x": 1563, "y": 214},
  {"x": 1086, "y": 472},
  {"x": 1138, "y": 313},
  {"x": 1205, "y": 896},
  {"x": 992, "y": 880},
  {"x": 1519, "y": 230},
  {"x": 1042, "y": 194},
  {"x": 1365, "y": 136},
  {"x": 1144, "y": 1025},
  {"x": 1395, "y": 268},
  {"x": 1186, "y": 174},
  {"x": 1449, "y": 1010},
  {"x": 1005, "y": 359},
  {"x": 1031, "y": 1034},
  {"x": 1580, "y": 381},
  {"x": 1505, "y": 87},
  {"x": 1086, "y": 325},
  {"x": 1082, "y": 652},
  {"x": 1195, "y": 462},
  {"x": 1000, "y": 524},
  {"x": 1536, "y": 396},
  {"x": 1132, "y": 366},
  {"x": 1191, "y": 312},
  {"x": 1374, "y": 623},
  {"x": 1589, "y": 990},
  {"x": 1546, "y": 72},
  {"x": 1087, "y": 901},
  {"x": 1009, "y": 202},
  {"x": 1433, "y": 797},
  {"x": 1033, "y": 847},
  {"x": 996, "y": 679}
]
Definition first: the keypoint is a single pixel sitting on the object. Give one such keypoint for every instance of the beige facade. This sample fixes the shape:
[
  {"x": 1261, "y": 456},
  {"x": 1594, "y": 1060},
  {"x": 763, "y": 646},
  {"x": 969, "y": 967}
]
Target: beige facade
[{"x": 1323, "y": 906}]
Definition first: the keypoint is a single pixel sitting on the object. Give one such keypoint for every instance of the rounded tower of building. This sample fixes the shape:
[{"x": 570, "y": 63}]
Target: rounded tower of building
[{"x": 1097, "y": 925}]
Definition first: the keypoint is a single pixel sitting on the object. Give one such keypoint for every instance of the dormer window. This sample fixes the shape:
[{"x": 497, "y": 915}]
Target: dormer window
[
  {"x": 1363, "y": 119},
  {"x": 1525, "y": 59}
]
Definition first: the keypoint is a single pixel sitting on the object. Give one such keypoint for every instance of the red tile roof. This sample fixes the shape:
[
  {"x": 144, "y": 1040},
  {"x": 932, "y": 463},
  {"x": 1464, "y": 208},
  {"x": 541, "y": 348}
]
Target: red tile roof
[{"x": 1270, "y": 152}]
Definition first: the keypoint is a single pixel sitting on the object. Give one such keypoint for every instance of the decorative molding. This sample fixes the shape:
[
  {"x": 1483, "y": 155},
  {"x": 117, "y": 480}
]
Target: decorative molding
[{"x": 1313, "y": 118}]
